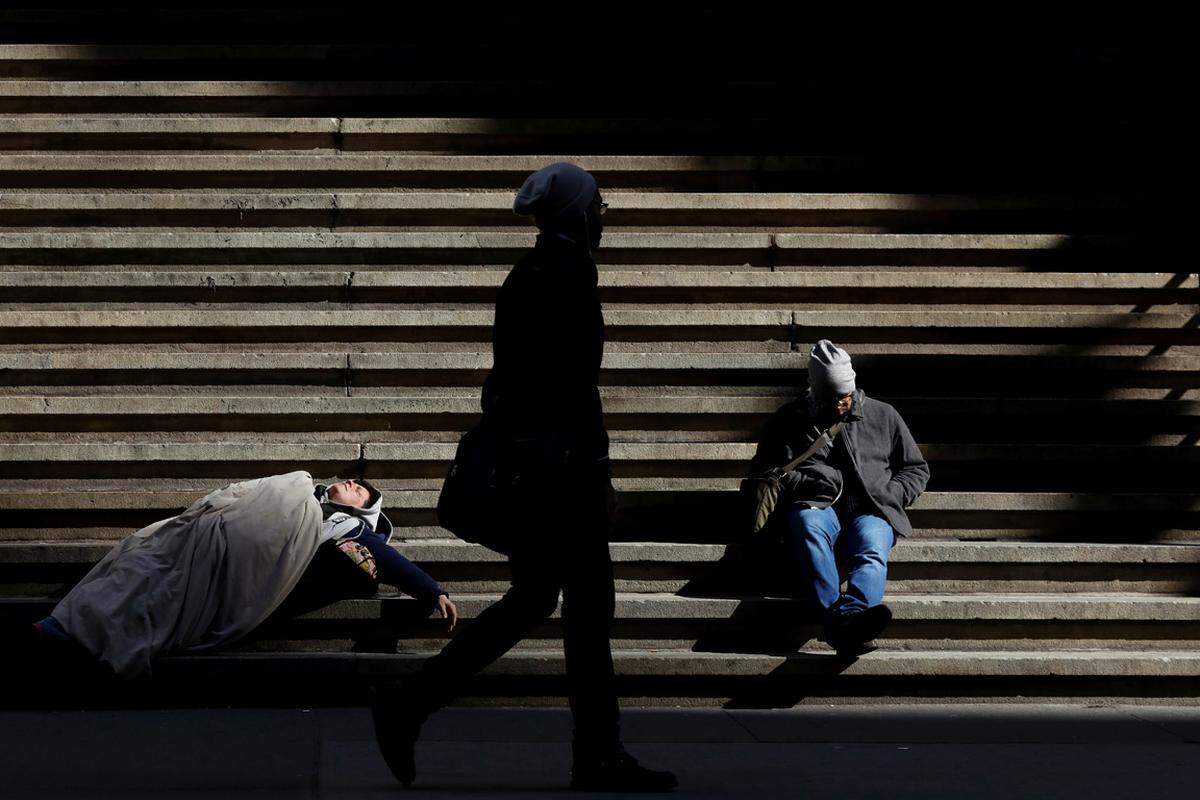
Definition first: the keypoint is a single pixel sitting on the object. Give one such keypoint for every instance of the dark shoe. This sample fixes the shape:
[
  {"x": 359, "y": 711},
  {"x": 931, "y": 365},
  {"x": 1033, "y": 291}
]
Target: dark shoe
[
  {"x": 853, "y": 634},
  {"x": 618, "y": 772},
  {"x": 850, "y": 650},
  {"x": 397, "y": 728}
]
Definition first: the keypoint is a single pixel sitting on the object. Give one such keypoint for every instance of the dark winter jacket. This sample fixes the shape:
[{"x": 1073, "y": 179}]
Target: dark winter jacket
[
  {"x": 547, "y": 345},
  {"x": 880, "y": 449}
]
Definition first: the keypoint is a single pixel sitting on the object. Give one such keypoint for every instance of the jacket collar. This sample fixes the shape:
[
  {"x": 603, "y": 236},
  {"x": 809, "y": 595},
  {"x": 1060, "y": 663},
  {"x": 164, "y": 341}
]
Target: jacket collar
[
  {"x": 856, "y": 406},
  {"x": 559, "y": 240},
  {"x": 559, "y": 248}
]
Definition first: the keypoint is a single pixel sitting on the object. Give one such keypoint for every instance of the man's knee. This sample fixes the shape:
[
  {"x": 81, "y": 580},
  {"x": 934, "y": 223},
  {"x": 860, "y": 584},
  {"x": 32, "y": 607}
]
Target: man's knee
[
  {"x": 813, "y": 524},
  {"x": 539, "y": 601},
  {"x": 873, "y": 538}
]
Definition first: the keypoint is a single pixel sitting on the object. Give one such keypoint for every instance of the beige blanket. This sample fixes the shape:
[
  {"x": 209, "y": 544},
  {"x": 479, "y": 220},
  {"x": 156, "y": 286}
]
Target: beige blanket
[{"x": 199, "y": 580}]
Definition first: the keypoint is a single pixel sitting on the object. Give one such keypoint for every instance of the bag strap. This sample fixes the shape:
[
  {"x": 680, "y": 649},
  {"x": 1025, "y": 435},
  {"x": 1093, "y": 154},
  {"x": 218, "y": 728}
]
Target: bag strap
[{"x": 825, "y": 438}]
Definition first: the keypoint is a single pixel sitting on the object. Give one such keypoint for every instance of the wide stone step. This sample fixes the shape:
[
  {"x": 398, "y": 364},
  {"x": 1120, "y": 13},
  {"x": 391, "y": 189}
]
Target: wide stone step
[
  {"x": 279, "y": 169},
  {"x": 665, "y": 417},
  {"x": 893, "y": 289},
  {"x": 747, "y": 625},
  {"x": 983, "y": 370},
  {"x": 133, "y": 132},
  {"x": 66, "y": 52},
  {"x": 695, "y": 453},
  {"x": 131, "y": 246},
  {"x": 950, "y": 554},
  {"x": 116, "y": 90},
  {"x": 983, "y": 607},
  {"x": 453, "y": 406},
  {"x": 958, "y": 466},
  {"x": 49, "y": 567},
  {"x": 480, "y": 95},
  {"x": 650, "y": 677},
  {"x": 659, "y": 509},
  {"x": 430, "y": 134},
  {"x": 407, "y": 495},
  {"x": 915, "y": 566},
  {"x": 56, "y": 95},
  {"x": 383, "y": 208},
  {"x": 317, "y": 323}
]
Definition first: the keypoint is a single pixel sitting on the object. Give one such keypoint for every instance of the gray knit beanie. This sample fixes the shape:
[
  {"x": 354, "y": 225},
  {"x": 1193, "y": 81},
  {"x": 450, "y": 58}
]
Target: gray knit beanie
[{"x": 830, "y": 374}]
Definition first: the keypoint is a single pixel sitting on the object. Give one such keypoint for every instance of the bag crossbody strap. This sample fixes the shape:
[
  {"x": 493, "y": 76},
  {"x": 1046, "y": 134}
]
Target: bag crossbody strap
[{"x": 825, "y": 438}]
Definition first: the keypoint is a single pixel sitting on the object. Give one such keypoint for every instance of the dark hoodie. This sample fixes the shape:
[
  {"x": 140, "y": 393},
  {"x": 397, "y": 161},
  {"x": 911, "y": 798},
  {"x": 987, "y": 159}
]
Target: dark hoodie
[
  {"x": 548, "y": 337},
  {"x": 547, "y": 345}
]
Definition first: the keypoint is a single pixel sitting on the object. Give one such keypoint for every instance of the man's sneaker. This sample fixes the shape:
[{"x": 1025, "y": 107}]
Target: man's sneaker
[
  {"x": 618, "y": 772},
  {"x": 852, "y": 650},
  {"x": 853, "y": 634},
  {"x": 397, "y": 728}
]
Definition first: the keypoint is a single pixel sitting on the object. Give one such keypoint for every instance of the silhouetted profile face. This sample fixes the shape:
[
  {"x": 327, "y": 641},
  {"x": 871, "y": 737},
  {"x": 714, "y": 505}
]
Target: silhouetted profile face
[
  {"x": 595, "y": 220},
  {"x": 349, "y": 493}
]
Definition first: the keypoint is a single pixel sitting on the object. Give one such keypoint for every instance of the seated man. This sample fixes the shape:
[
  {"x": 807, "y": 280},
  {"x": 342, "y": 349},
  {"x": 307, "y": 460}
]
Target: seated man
[
  {"x": 212, "y": 575},
  {"x": 876, "y": 471}
]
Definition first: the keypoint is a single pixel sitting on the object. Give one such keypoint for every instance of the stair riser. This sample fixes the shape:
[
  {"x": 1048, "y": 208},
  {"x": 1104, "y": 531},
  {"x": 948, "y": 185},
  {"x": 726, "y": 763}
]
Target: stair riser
[{"x": 863, "y": 221}]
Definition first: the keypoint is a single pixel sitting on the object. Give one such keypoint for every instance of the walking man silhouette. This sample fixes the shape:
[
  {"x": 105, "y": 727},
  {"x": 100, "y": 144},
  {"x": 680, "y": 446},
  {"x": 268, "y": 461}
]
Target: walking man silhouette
[{"x": 557, "y": 495}]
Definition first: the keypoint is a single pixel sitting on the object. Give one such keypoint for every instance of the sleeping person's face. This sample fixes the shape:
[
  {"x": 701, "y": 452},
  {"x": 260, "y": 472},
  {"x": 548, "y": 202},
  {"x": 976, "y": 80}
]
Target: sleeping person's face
[{"x": 349, "y": 493}]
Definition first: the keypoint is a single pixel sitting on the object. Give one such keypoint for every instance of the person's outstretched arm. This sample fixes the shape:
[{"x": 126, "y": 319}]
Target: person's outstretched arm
[{"x": 398, "y": 571}]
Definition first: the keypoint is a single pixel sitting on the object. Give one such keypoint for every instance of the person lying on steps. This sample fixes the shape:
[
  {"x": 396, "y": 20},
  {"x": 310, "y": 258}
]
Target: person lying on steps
[{"x": 250, "y": 553}]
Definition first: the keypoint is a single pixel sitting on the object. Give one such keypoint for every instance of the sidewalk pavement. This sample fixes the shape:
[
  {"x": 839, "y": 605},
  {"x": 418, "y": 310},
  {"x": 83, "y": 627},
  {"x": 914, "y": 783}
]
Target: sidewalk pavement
[{"x": 881, "y": 753}]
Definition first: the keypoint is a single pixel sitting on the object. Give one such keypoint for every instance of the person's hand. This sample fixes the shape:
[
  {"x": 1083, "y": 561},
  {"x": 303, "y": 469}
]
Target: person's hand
[{"x": 445, "y": 607}]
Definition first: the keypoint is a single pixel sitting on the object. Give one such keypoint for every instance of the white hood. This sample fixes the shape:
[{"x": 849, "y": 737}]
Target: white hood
[{"x": 341, "y": 520}]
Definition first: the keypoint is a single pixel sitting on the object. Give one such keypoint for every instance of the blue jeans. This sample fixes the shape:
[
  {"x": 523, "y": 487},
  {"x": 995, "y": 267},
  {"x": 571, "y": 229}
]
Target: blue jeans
[{"x": 810, "y": 538}]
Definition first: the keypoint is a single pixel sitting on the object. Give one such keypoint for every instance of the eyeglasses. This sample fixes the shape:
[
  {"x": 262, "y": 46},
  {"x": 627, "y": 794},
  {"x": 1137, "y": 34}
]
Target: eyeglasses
[{"x": 603, "y": 208}]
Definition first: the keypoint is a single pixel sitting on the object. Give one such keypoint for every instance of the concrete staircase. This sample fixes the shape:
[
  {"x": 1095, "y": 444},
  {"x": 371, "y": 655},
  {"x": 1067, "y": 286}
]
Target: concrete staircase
[{"x": 221, "y": 262}]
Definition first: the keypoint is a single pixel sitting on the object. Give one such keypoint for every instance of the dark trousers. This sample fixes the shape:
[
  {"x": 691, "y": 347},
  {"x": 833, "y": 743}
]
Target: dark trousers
[{"x": 559, "y": 538}]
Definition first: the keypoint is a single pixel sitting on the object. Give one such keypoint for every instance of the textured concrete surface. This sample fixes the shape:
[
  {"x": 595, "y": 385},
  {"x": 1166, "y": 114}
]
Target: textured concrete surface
[
  {"x": 701, "y": 323},
  {"x": 126, "y": 239},
  {"x": 518, "y": 166},
  {"x": 310, "y": 199},
  {"x": 464, "y": 401},
  {"x": 731, "y": 280},
  {"x": 1131, "y": 359},
  {"x": 1102, "y": 556},
  {"x": 931, "y": 665},
  {"x": 643, "y": 492},
  {"x": 923, "y": 753},
  {"x": 982, "y": 607},
  {"x": 153, "y": 52}
]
